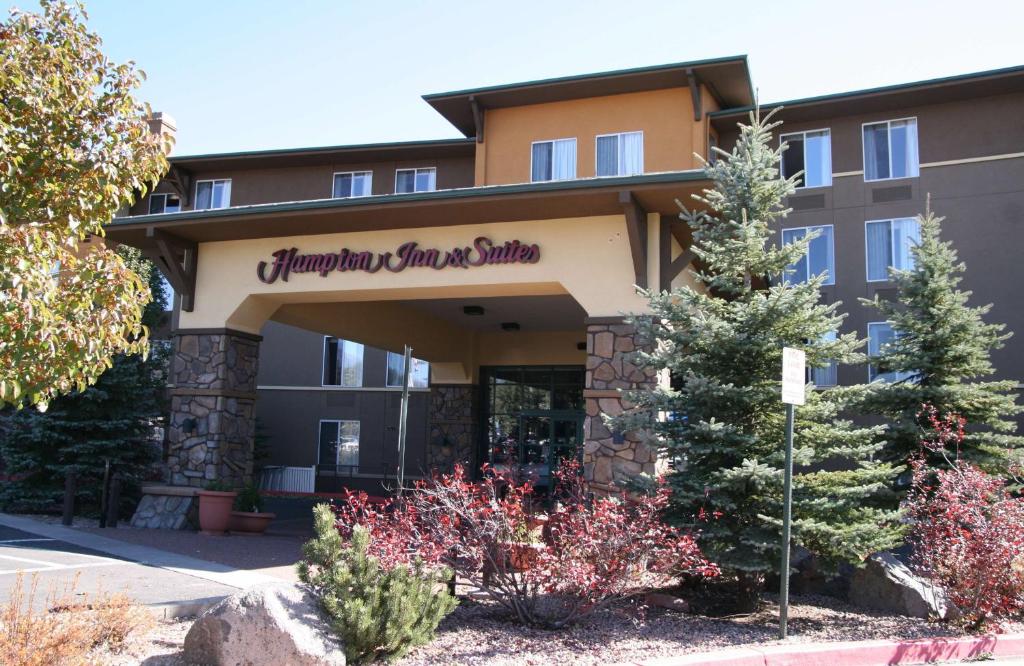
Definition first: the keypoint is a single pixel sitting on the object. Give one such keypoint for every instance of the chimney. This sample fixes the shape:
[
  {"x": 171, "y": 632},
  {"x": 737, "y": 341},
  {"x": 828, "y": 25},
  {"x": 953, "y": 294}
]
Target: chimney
[{"x": 164, "y": 125}]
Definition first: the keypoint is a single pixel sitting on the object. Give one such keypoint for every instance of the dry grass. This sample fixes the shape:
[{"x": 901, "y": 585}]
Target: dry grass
[{"x": 70, "y": 630}]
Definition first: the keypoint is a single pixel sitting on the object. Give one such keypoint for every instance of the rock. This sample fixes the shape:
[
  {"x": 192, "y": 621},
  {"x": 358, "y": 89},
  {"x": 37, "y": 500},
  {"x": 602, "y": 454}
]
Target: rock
[
  {"x": 885, "y": 583},
  {"x": 662, "y": 600},
  {"x": 276, "y": 623}
]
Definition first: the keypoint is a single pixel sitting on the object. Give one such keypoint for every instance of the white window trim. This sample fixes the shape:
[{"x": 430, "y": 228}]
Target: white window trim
[
  {"x": 195, "y": 195},
  {"x": 867, "y": 265},
  {"x": 323, "y": 367},
  {"x": 888, "y": 129},
  {"x": 165, "y": 195},
  {"x": 335, "y": 175},
  {"x": 399, "y": 384},
  {"x": 832, "y": 274},
  {"x": 552, "y": 142},
  {"x": 319, "y": 429},
  {"x": 417, "y": 171},
  {"x": 804, "y": 133},
  {"x": 618, "y": 156}
]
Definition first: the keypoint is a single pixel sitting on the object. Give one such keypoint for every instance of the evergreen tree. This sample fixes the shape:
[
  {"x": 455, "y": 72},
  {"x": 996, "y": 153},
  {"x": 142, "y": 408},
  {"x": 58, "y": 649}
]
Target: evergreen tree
[
  {"x": 722, "y": 343},
  {"x": 114, "y": 419},
  {"x": 941, "y": 352}
]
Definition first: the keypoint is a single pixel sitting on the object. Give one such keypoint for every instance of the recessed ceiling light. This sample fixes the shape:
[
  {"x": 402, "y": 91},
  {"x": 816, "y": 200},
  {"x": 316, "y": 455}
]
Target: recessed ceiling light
[
  {"x": 510, "y": 326},
  {"x": 473, "y": 310}
]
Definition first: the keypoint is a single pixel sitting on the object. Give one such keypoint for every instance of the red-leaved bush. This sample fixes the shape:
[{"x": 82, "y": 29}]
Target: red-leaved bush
[
  {"x": 548, "y": 568},
  {"x": 968, "y": 530}
]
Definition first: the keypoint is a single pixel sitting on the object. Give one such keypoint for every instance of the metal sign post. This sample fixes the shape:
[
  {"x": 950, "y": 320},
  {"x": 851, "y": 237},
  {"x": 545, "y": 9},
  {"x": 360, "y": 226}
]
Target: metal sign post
[
  {"x": 794, "y": 380},
  {"x": 403, "y": 414}
]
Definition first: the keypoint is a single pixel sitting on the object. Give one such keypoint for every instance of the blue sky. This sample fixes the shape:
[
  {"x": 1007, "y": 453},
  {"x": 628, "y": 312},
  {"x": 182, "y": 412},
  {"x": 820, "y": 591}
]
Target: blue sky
[{"x": 242, "y": 75}]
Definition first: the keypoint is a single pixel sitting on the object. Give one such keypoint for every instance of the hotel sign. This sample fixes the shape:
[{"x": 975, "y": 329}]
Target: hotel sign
[{"x": 408, "y": 255}]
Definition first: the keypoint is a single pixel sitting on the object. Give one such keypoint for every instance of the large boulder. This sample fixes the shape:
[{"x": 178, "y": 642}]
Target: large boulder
[
  {"x": 275, "y": 623},
  {"x": 885, "y": 583}
]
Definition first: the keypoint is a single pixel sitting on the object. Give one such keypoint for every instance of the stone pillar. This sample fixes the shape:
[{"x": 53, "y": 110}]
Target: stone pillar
[
  {"x": 212, "y": 424},
  {"x": 453, "y": 417},
  {"x": 610, "y": 457}
]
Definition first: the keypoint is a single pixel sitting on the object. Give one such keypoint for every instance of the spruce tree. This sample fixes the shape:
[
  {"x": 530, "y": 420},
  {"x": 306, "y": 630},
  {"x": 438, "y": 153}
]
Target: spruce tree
[
  {"x": 942, "y": 354},
  {"x": 722, "y": 344},
  {"x": 113, "y": 420}
]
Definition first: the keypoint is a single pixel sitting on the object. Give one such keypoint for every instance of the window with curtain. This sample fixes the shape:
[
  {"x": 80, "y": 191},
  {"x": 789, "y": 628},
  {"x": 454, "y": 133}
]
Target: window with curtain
[
  {"x": 352, "y": 184},
  {"x": 828, "y": 374},
  {"x": 820, "y": 257},
  {"x": 881, "y": 334},
  {"x": 164, "y": 203},
  {"x": 343, "y": 363},
  {"x": 553, "y": 160},
  {"x": 213, "y": 194},
  {"x": 339, "y": 444},
  {"x": 890, "y": 149},
  {"x": 810, "y": 152},
  {"x": 415, "y": 180},
  {"x": 620, "y": 154},
  {"x": 419, "y": 373},
  {"x": 889, "y": 245}
]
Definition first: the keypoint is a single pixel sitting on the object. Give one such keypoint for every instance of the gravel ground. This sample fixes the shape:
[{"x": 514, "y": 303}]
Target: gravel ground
[{"x": 160, "y": 647}]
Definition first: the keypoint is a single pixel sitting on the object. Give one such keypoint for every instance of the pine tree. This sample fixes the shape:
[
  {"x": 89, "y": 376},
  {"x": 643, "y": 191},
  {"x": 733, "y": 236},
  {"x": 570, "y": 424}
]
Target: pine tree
[
  {"x": 942, "y": 352},
  {"x": 112, "y": 420},
  {"x": 722, "y": 344}
]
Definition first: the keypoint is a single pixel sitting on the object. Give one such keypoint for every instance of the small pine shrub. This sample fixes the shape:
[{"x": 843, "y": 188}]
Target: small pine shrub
[{"x": 378, "y": 612}]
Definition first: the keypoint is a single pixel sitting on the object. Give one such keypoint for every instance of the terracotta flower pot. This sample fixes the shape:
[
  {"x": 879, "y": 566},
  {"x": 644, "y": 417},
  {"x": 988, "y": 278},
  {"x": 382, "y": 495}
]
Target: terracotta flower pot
[
  {"x": 250, "y": 523},
  {"x": 215, "y": 510}
]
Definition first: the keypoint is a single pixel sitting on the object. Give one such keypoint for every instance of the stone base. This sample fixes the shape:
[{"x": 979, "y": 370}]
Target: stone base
[
  {"x": 452, "y": 427},
  {"x": 166, "y": 507}
]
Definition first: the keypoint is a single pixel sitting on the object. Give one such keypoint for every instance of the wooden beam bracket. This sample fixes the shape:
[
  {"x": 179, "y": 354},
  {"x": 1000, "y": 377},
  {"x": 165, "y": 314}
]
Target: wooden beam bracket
[
  {"x": 636, "y": 228},
  {"x": 478, "y": 118},
  {"x": 181, "y": 181},
  {"x": 177, "y": 259},
  {"x": 695, "y": 94},
  {"x": 671, "y": 268}
]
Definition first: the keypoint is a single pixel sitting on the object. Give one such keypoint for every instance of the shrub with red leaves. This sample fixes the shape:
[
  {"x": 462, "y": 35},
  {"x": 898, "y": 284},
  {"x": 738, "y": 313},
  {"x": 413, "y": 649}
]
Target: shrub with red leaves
[
  {"x": 589, "y": 554},
  {"x": 968, "y": 529}
]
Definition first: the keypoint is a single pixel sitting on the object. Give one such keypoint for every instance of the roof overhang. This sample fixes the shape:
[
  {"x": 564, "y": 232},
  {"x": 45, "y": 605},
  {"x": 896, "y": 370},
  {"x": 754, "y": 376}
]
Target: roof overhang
[{"x": 728, "y": 79}]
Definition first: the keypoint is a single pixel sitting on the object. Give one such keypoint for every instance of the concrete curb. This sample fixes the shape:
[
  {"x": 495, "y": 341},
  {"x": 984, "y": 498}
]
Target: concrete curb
[
  {"x": 154, "y": 557},
  {"x": 853, "y": 653},
  {"x": 176, "y": 610}
]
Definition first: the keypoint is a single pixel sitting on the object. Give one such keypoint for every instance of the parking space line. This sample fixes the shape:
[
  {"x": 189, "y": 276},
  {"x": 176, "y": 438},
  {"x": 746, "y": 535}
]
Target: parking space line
[
  {"x": 24, "y": 540},
  {"x": 29, "y": 560},
  {"x": 62, "y": 567}
]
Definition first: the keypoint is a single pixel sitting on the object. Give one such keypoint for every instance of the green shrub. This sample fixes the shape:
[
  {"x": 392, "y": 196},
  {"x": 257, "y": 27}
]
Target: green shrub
[
  {"x": 249, "y": 499},
  {"x": 378, "y": 613}
]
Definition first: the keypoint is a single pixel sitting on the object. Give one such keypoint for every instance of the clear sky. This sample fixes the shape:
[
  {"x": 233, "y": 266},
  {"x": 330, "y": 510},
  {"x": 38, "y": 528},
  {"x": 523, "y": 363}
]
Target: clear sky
[{"x": 250, "y": 74}]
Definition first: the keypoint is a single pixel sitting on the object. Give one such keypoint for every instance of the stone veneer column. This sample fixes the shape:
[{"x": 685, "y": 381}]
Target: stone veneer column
[
  {"x": 453, "y": 417},
  {"x": 212, "y": 424},
  {"x": 608, "y": 457}
]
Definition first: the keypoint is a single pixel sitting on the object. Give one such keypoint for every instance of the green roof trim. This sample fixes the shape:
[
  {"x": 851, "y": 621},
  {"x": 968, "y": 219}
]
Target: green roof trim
[
  {"x": 437, "y": 195},
  {"x": 898, "y": 87},
  {"x": 323, "y": 149}
]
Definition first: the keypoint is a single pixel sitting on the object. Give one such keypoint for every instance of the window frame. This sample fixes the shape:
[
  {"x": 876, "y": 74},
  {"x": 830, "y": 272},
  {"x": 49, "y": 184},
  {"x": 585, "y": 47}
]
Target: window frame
[
  {"x": 334, "y": 177},
  {"x": 338, "y": 422},
  {"x": 892, "y": 248},
  {"x": 832, "y": 274},
  {"x": 165, "y": 195},
  {"x": 415, "y": 171},
  {"x": 323, "y": 366},
  {"x": 618, "y": 155},
  {"x": 552, "y": 179},
  {"x": 870, "y": 365},
  {"x": 804, "y": 133},
  {"x": 195, "y": 197},
  {"x": 888, "y": 128},
  {"x": 387, "y": 365}
]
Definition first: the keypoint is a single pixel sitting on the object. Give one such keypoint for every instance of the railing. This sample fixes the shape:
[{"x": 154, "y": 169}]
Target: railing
[{"x": 288, "y": 479}]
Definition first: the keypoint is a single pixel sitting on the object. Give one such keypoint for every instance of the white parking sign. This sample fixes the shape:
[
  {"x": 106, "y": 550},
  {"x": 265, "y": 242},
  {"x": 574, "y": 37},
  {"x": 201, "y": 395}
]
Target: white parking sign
[{"x": 794, "y": 376}]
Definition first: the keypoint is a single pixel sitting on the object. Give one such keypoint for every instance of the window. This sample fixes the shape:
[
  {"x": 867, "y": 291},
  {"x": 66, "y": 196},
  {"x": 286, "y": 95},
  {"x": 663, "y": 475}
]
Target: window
[
  {"x": 889, "y": 244},
  {"x": 415, "y": 180},
  {"x": 890, "y": 149},
  {"x": 213, "y": 194},
  {"x": 352, "y": 184},
  {"x": 553, "y": 160},
  {"x": 343, "y": 363},
  {"x": 339, "y": 444},
  {"x": 164, "y": 203},
  {"x": 419, "y": 374},
  {"x": 820, "y": 257},
  {"x": 810, "y": 152},
  {"x": 620, "y": 154},
  {"x": 827, "y": 375},
  {"x": 880, "y": 335}
]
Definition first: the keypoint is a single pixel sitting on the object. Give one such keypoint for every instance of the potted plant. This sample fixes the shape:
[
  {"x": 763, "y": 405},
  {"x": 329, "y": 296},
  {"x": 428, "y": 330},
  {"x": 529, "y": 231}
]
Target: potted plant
[
  {"x": 248, "y": 517},
  {"x": 215, "y": 502}
]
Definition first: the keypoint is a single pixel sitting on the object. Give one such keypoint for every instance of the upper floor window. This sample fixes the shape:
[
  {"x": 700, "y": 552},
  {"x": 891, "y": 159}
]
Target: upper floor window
[
  {"x": 620, "y": 154},
  {"x": 339, "y": 444},
  {"x": 164, "y": 203},
  {"x": 419, "y": 373},
  {"x": 415, "y": 180},
  {"x": 820, "y": 257},
  {"x": 810, "y": 152},
  {"x": 890, "y": 149},
  {"x": 343, "y": 363},
  {"x": 881, "y": 334},
  {"x": 889, "y": 244},
  {"x": 553, "y": 160},
  {"x": 213, "y": 194},
  {"x": 827, "y": 375},
  {"x": 352, "y": 184}
]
